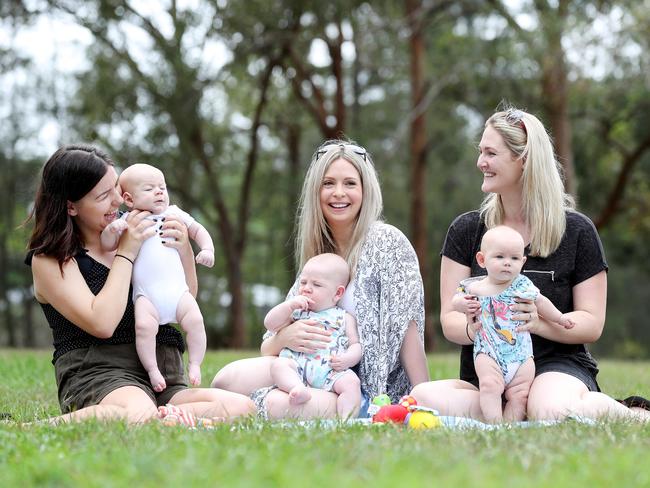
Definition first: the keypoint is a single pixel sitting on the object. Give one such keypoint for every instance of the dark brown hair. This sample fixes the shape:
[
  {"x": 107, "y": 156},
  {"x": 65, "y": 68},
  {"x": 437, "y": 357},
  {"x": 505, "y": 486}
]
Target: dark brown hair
[{"x": 69, "y": 174}]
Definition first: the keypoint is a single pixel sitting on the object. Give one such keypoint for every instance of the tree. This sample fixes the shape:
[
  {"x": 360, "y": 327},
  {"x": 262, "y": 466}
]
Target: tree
[{"x": 172, "y": 84}]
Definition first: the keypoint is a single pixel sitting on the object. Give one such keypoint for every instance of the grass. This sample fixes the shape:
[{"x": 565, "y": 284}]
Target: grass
[{"x": 255, "y": 454}]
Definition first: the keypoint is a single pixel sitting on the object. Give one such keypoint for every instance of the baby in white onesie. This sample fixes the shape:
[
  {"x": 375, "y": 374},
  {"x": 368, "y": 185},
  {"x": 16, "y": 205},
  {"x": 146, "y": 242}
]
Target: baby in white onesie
[{"x": 160, "y": 292}]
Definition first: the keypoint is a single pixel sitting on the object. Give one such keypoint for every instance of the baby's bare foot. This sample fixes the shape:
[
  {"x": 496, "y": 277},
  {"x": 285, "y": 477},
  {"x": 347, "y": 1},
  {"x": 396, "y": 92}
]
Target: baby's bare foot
[
  {"x": 194, "y": 372},
  {"x": 157, "y": 380},
  {"x": 299, "y": 395}
]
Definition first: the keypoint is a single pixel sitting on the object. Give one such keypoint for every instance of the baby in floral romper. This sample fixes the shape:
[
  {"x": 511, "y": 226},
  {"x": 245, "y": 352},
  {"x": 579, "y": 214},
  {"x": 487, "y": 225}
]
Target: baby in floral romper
[
  {"x": 503, "y": 355},
  {"x": 322, "y": 283}
]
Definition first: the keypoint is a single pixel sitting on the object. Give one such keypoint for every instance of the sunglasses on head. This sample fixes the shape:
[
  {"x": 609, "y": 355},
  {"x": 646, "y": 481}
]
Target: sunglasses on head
[
  {"x": 342, "y": 146},
  {"x": 516, "y": 117}
]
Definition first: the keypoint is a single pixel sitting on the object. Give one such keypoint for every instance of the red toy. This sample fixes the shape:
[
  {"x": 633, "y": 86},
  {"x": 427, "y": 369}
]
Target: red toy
[
  {"x": 391, "y": 413},
  {"x": 395, "y": 413}
]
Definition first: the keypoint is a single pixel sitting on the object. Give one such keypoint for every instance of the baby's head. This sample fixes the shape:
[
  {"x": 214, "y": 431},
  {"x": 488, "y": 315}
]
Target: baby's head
[
  {"x": 502, "y": 253},
  {"x": 323, "y": 279},
  {"x": 143, "y": 188}
]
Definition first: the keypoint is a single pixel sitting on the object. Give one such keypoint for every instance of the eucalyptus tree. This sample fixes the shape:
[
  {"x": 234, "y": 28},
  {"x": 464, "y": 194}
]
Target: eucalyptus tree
[
  {"x": 21, "y": 100},
  {"x": 156, "y": 90}
]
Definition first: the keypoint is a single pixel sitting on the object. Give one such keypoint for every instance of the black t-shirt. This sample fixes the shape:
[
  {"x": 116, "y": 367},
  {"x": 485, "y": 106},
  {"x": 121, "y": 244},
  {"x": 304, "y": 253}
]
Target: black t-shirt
[
  {"x": 579, "y": 257},
  {"x": 67, "y": 336}
]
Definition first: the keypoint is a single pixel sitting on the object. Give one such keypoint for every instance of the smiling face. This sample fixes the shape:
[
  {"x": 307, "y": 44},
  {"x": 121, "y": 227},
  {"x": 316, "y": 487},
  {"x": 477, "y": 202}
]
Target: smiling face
[
  {"x": 341, "y": 194},
  {"x": 98, "y": 208},
  {"x": 501, "y": 254},
  {"x": 501, "y": 169},
  {"x": 144, "y": 188}
]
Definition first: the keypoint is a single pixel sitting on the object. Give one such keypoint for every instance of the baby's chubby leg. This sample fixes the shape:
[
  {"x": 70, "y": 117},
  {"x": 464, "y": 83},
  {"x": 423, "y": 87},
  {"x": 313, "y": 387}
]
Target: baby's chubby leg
[
  {"x": 146, "y": 328},
  {"x": 517, "y": 392},
  {"x": 190, "y": 319},
  {"x": 284, "y": 372},
  {"x": 491, "y": 385},
  {"x": 348, "y": 388}
]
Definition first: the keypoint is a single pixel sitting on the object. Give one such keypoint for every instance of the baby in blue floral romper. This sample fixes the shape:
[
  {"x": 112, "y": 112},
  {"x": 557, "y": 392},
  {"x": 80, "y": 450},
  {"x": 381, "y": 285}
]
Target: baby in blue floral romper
[
  {"x": 503, "y": 354},
  {"x": 322, "y": 283}
]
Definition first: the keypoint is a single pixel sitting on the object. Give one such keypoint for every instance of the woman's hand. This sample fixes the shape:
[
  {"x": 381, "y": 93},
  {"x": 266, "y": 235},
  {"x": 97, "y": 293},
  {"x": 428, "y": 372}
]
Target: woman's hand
[
  {"x": 526, "y": 311},
  {"x": 473, "y": 324},
  {"x": 174, "y": 233},
  {"x": 304, "y": 336},
  {"x": 139, "y": 230}
]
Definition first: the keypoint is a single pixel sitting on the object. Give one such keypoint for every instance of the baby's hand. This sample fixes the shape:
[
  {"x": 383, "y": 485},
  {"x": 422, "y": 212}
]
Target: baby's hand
[
  {"x": 566, "y": 321},
  {"x": 467, "y": 304},
  {"x": 340, "y": 363},
  {"x": 205, "y": 257},
  {"x": 117, "y": 226},
  {"x": 300, "y": 302}
]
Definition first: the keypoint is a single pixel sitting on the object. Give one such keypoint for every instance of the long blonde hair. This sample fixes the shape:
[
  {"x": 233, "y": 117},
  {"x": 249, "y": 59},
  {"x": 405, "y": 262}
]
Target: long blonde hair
[
  {"x": 544, "y": 200},
  {"x": 313, "y": 235}
]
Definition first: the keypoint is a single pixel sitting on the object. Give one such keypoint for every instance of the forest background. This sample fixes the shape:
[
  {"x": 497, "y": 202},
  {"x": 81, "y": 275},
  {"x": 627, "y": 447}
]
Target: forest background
[{"x": 230, "y": 99}]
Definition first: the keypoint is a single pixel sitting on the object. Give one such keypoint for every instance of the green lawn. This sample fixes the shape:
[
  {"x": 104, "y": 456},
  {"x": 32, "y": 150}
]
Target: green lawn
[{"x": 256, "y": 454}]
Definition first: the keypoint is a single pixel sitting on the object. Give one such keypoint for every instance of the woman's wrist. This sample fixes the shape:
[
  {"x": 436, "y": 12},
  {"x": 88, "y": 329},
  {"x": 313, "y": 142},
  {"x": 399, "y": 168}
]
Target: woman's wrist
[
  {"x": 467, "y": 331},
  {"x": 270, "y": 346},
  {"x": 123, "y": 256}
]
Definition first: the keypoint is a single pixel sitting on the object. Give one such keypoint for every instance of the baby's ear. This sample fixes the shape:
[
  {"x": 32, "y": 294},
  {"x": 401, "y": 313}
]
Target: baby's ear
[
  {"x": 128, "y": 199},
  {"x": 480, "y": 259},
  {"x": 340, "y": 290}
]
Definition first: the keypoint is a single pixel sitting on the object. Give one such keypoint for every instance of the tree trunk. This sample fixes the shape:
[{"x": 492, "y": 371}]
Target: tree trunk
[
  {"x": 237, "y": 339},
  {"x": 555, "y": 90},
  {"x": 418, "y": 141},
  {"x": 28, "y": 318},
  {"x": 294, "y": 176},
  {"x": 556, "y": 104}
]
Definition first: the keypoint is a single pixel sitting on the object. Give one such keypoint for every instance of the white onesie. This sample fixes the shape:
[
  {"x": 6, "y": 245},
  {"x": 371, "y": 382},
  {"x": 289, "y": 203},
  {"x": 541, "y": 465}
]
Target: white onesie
[{"x": 158, "y": 272}]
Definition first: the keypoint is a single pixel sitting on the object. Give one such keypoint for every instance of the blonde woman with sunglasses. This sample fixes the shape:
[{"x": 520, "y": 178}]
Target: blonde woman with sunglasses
[
  {"x": 565, "y": 260},
  {"x": 340, "y": 212}
]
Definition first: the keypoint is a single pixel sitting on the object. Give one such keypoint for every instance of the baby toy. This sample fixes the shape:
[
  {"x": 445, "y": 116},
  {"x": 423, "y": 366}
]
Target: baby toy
[{"x": 406, "y": 412}]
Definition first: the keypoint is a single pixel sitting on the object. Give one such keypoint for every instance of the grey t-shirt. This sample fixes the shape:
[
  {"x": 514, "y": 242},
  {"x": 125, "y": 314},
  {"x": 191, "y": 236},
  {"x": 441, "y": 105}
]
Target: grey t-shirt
[{"x": 579, "y": 257}]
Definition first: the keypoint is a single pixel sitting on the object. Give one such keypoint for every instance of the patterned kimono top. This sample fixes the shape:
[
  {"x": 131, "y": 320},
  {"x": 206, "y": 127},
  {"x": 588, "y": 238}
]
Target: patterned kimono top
[{"x": 388, "y": 295}]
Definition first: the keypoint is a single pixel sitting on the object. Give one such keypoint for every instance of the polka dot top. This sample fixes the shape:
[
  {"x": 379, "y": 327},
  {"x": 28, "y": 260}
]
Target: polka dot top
[{"x": 67, "y": 336}]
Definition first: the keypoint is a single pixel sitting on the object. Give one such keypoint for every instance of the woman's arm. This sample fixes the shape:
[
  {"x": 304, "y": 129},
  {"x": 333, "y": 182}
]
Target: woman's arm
[
  {"x": 69, "y": 294},
  {"x": 589, "y": 308},
  {"x": 413, "y": 357},
  {"x": 454, "y": 324},
  {"x": 300, "y": 336}
]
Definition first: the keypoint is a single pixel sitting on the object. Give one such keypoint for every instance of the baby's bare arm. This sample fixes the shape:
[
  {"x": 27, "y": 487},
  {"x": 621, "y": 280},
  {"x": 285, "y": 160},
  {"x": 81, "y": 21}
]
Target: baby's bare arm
[
  {"x": 280, "y": 315},
  {"x": 546, "y": 309},
  {"x": 201, "y": 236},
  {"x": 354, "y": 351},
  {"x": 467, "y": 304},
  {"x": 110, "y": 236}
]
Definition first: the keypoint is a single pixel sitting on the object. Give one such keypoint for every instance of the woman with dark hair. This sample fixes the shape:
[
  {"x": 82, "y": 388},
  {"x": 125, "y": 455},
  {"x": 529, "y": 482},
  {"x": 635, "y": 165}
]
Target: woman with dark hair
[{"x": 85, "y": 295}]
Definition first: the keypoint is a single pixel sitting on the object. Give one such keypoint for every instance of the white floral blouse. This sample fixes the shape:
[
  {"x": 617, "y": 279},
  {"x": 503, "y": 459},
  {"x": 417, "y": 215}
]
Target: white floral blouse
[{"x": 388, "y": 295}]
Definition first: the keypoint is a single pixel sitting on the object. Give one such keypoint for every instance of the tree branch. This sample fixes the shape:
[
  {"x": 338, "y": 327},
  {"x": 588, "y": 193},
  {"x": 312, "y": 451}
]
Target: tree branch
[{"x": 616, "y": 194}]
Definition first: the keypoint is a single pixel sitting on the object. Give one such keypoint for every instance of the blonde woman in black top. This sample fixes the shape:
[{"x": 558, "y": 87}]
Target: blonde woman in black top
[{"x": 565, "y": 260}]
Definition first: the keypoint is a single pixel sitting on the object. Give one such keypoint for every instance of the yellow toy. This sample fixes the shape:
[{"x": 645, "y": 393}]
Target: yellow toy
[{"x": 422, "y": 419}]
